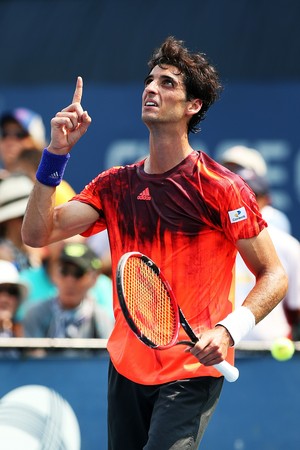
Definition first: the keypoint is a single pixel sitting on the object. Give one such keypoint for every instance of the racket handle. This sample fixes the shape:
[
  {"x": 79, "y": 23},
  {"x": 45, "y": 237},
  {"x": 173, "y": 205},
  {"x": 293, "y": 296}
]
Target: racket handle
[{"x": 230, "y": 372}]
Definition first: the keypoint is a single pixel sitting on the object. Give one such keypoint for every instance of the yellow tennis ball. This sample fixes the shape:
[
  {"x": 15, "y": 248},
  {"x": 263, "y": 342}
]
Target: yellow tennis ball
[{"x": 282, "y": 349}]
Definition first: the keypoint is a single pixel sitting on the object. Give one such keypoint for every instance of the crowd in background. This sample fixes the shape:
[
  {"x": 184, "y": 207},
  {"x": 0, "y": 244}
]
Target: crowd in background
[{"x": 64, "y": 290}]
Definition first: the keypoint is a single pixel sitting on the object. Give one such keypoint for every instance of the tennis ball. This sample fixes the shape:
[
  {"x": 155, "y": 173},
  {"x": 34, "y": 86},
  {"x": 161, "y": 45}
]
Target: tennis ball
[{"x": 282, "y": 349}]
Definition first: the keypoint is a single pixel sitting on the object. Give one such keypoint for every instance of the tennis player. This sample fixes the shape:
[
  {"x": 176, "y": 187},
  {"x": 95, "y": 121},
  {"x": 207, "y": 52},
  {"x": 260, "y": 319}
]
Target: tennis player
[{"x": 191, "y": 216}]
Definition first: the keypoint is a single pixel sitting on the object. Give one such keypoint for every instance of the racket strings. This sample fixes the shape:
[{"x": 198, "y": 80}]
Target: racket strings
[{"x": 148, "y": 302}]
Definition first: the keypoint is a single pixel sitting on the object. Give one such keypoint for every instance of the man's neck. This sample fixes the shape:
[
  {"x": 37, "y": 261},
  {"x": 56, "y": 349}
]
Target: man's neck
[{"x": 166, "y": 151}]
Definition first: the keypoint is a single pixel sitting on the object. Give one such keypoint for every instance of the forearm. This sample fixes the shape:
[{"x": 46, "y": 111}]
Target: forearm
[{"x": 269, "y": 290}]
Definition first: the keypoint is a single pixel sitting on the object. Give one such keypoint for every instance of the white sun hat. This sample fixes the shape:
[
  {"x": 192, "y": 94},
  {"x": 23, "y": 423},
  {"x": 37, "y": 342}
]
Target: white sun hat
[
  {"x": 245, "y": 157},
  {"x": 10, "y": 275},
  {"x": 14, "y": 194}
]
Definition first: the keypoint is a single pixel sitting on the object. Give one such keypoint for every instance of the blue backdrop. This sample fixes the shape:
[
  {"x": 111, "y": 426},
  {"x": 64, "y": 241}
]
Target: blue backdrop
[{"x": 260, "y": 411}]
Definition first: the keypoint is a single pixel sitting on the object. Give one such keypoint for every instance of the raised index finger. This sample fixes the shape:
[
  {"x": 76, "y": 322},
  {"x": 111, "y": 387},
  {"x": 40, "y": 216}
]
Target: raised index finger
[{"x": 78, "y": 91}]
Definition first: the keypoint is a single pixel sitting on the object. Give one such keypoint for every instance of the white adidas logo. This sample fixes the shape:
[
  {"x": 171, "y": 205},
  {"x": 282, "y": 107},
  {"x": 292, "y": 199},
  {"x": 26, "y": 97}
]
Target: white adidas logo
[{"x": 54, "y": 175}]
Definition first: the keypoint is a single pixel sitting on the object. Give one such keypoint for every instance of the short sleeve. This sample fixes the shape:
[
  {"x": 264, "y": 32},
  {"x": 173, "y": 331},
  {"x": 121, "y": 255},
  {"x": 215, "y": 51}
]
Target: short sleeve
[{"x": 239, "y": 212}]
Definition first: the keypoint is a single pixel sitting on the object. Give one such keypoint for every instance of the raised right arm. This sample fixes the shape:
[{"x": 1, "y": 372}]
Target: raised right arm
[{"x": 43, "y": 223}]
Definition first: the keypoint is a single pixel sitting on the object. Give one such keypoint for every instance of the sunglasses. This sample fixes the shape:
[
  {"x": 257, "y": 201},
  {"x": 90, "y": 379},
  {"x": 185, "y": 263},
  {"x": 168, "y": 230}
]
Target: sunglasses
[
  {"x": 73, "y": 271},
  {"x": 16, "y": 134},
  {"x": 10, "y": 289}
]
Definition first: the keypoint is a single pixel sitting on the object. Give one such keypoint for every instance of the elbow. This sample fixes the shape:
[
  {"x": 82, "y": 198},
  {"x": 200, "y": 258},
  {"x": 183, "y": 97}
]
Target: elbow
[
  {"x": 32, "y": 239},
  {"x": 285, "y": 283},
  {"x": 280, "y": 282},
  {"x": 32, "y": 242}
]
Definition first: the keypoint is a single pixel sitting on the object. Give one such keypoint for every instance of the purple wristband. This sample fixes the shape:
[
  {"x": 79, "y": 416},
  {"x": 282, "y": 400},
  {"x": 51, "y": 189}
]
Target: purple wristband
[{"x": 51, "y": 168}]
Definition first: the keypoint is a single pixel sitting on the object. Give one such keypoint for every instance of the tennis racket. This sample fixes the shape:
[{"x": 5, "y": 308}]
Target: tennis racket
[{"x": 150, "y": 308}]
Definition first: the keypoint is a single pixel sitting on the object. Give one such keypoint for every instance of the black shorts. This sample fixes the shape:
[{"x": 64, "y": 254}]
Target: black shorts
[{"x": 171, "y": 416}]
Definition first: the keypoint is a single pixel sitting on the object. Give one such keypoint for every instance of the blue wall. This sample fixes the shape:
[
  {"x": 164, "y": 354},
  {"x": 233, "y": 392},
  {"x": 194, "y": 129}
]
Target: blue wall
[
  {"x": 261, "y": 410},
  {"x": 258, "y": 412},
  {"x": 111, "y": 40},
  {"x": 83, "y": 383}
]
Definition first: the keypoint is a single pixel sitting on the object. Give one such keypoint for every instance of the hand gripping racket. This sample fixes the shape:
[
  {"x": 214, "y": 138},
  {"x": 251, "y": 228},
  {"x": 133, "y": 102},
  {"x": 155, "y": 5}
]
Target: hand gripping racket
[{"x": 150, "y": 308}]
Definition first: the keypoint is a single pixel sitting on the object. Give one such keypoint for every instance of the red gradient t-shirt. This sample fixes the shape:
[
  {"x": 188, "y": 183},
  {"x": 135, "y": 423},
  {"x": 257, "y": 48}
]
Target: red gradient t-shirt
[{"x": 187, "y": 220}]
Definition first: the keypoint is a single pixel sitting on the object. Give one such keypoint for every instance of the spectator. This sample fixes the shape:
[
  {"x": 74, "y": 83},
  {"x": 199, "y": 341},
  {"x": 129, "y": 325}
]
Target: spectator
[
  {"x": 240, "y": 157},
  {"x": 284, "y": 320},
  {"x": 20, "y": 128},
  {"x": 14, "y": 194},
  {"x": 73, "y": 313},
  {"x": 41, "y": 280},
  {"x": 12, "y": 292}
]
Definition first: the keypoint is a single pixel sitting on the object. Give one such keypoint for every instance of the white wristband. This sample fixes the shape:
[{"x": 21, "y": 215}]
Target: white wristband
[{"x": 238, "y": 323}]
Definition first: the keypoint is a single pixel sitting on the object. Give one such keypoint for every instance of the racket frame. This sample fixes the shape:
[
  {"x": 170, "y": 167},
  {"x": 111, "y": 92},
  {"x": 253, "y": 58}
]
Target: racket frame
[{"x": 123, "y": 303}]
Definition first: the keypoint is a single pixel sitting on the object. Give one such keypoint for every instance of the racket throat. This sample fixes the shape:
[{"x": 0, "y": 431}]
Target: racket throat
[{"x": 188, "y": 329}]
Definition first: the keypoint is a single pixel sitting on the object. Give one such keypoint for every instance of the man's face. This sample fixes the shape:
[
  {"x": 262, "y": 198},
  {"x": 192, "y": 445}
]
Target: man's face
[
  {"x": 13, "y": 139},
  {"x": 73, "y": 284},
  {"x": 164, "y": 97},
  {"x": 9, "y": 301}
]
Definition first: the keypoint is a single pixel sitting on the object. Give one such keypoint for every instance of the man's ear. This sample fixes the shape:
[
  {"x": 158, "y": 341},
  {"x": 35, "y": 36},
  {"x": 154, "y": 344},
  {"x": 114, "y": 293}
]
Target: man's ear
[{"x": 194, "y": 106}]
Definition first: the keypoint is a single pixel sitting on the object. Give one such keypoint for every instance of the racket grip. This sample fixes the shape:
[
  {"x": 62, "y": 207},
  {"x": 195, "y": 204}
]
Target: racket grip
[{"x": 230, "y": 372}]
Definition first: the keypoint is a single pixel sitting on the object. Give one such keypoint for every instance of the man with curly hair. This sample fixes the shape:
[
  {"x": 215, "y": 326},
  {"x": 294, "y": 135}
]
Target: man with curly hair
[{"x": 191, "y": 216}]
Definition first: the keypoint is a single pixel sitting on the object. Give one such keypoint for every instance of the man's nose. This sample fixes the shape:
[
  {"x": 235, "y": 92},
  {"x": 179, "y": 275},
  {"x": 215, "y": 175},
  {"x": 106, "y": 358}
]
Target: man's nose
[{"x": 151, "y": 86}]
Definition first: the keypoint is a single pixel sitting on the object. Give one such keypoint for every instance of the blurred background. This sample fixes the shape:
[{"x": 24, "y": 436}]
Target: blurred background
[
  {"x": 255, "y": 45},
  {"x": 46, "y": 44}
]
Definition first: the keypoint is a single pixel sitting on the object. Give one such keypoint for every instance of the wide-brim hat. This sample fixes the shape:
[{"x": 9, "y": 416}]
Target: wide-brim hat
[
  {"x": 10, "y": 275},
  {"x": 245, "y": 157},
  {"x": 14, "y": 194}
]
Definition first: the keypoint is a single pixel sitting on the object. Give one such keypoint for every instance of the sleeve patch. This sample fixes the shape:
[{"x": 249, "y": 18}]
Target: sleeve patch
[{"x": 237, "y": 215}]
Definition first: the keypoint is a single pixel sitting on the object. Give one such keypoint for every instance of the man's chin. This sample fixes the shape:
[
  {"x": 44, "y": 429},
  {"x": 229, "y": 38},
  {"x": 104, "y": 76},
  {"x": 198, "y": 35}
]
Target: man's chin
[{"x": 149, "y": 119}]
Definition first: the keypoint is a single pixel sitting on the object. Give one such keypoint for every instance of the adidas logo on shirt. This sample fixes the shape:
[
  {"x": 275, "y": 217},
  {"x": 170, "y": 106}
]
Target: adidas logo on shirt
[{"x": 144, "y": 195}]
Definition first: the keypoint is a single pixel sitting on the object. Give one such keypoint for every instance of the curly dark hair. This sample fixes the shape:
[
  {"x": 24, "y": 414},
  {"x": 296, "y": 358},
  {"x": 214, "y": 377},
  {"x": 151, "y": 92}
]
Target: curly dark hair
[{"x": 200, "y": 77}]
